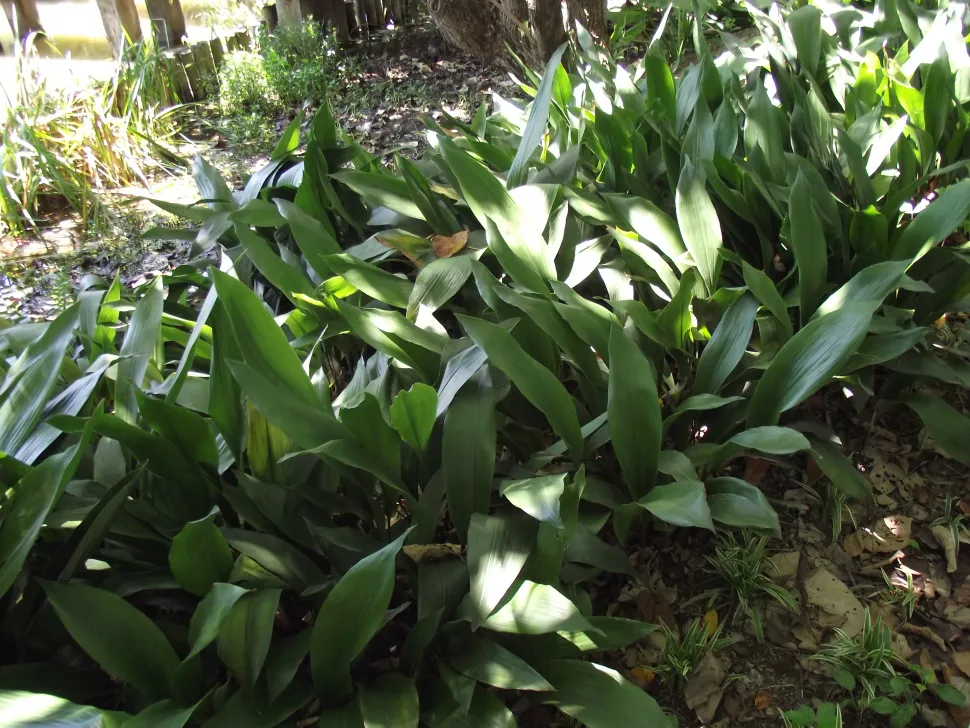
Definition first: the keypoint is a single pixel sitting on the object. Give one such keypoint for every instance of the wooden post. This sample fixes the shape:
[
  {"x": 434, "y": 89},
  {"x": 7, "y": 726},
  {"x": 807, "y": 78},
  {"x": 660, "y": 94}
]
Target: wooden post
[
  {"x": 168, "y": 22},
  {"x": 192, "y": 72},
  {"x": 173, "y": 59},
  {"x": 271, "y": 17},
  {"x": 202, "y": 59},
  {"x": 121, "y": 24},
  {"x": 218, "y": 52}
]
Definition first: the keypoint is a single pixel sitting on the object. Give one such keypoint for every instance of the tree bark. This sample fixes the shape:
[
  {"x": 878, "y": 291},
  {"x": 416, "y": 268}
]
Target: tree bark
[
  {"x": 23, "y": 18},
  {"x": 533, "y": 29},
  {"x": 121, "y": 25}
]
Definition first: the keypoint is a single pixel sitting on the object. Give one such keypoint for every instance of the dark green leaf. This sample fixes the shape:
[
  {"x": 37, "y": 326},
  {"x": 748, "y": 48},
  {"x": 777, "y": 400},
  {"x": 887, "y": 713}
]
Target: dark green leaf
[
  {"x": 698, "y": 223},
  {"x": 126, "y": 643},
  {"x": 492, "y": 664},
  {"x": 736, "y": 503},
  {"x": 809, "y": 246},
  {"x": 535, "y": 128},
  {"x": 349, "y": 617},
  {"x": 949, "y": 428},
  {"x": 245, "y": 635},
  {"x": 727, "y": 345},
  {"x": 199, "y": 556},
  {"x": 680, "y": 503},
  {"x": 209, "y": 616},
  {"x": 634, "y": 413}
]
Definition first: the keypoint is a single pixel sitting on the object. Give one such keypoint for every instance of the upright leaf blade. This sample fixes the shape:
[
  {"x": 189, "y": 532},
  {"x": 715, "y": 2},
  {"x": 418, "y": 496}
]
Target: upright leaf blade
[
  {"x": 498, "y": 548},
  {"x": 698, "y": 223},
  {"x": 245, "y": 635},
  {"x": 538, "y": 117},
  {"x": 634, "y": 413},
  {"x": 348, "y": 619}
]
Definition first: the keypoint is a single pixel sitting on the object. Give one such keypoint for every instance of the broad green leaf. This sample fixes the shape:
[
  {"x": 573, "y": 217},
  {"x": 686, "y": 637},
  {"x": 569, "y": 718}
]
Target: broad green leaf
[
  {"x": 350, "y": 616},
  {"x": 289, "y": 139},
  {"x": 313, "y": 239},
  {"x": 660, "y": 87},
  {"x": 365, "y": 421},
  {"x": 438, "y": 216},
  {"x": 536, "y": 609},
  {"x": 680, "y": 503},
  {"x": 289, "y": 279},
  {"x": 438, "y": 282},
  {"x": 539, "y": 497},
  {"x": 185, "y": 429},
  {"x": 392, "y": 334},
  {"x": 391, "y": 700},
  {"x": 126, "y": 643},
  {"x": 806, "y": 30},
  {"x": 534, "y": 381},
  {"x": 808, "y": 361},
  {"x": 634, "y": 413},
  {"x": 698, "y": 223},
  {"x": 38, "y": 710},
  {"x": 245, "y": 635},
  {"x": 736, "y": 503},
  {"x": 140, "y": 344},
  {"x": 535, "y": 129},
  {"x": 612, "y": 633},
  {"x": 307, "y": 422},
  {"x": 468, "y": 445},
  {"x": 726, "y": 347},
  {"x": 704, "y": 402},
  {"x": 948, "y": 428},
  {"x": 809, "y": 246},
  {"x": 872, "y": 283},
  {"x": 650, "y": 223},
  {"x": 837, "y": 468},
  {"x": 770, "y": 439},
  {"x": 599, "y": 697},
  {"x": 764, "y": 290},
  {"x": 491, "y": 664},
  {"x": 375, "y": 282},
  {"x": 33, "y": 498},
  {"x": 261, "y": 341},
  {"x": 498, "y": 548},
  {"x": 277, "y": 556},
  {"x": 199, "y": 556},
  {"x": 212, "y": 187},
  {"x": 413, "y": 414},
  {"x": 209, "y": 616},
  {"x": 935, "y": 223},
  {"x": 28, "y": 384},
  {"x": 585, "y": 547},
  {"x": 381, "y": 190},
  {"x": 163, "y": 714},
  {"x": 284, "y": 661},
  {"x": 489, "y": 200}
]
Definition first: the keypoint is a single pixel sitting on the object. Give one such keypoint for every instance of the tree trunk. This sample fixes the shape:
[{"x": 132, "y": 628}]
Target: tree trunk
[
  {"x": 591, "y": 14},
  {"x": 533, "y": 29},
  {"x": 23, "y": 18}
]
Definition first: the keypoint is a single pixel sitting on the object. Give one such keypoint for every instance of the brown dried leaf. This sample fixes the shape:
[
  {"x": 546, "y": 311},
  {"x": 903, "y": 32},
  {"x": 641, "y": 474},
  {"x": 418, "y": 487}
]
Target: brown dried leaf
[
  {"x": 703, "y": 691},
  {"x": 838, "y": 606},
  {"x": 654, "y": 609},
  {"x": 762, "y": 701},
  {"x": 446, "y": 246},
  {"x": 886, "y": 536},
  {"x": 962, "y": 660},
  {"x": 945, "y": 538}
]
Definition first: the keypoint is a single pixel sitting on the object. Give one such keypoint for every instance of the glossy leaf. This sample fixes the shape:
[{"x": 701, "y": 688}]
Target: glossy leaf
[
  {"x": 680, "y": 503},
  {"x": 699, "y": 223},
  {"x": 245, "y": 635},
  {"x": 348, "y": 619},
  {"x": 199, "y": 556},
  {"x": 210, "y": 615},
  {"x": 489, "y": 663},
  {"x": 498, "y": 548},
  {"x": 634, "y": 413},
  {"x": 808, "y": 361},
  {"x": 536, "y": 609},
  {"x": 809, "y": 246},
  {"x": 736, "y": 503},
  {"x": 726, "y": 347},
  {"x": 535, "y": 128},
  {"x": 126, "y": 643},
  {"x": 413, "y": 414}
]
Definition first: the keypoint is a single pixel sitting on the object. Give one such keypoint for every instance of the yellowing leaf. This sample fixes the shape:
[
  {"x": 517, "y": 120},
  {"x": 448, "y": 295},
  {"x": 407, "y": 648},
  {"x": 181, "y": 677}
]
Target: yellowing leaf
[{"x": 711, "y": 622}]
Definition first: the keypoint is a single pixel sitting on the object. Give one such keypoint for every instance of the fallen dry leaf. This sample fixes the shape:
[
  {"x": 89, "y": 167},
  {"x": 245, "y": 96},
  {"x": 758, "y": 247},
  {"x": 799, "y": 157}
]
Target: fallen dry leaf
[
  {"x": 932, "y": 718},
  {"x": 785, "y": 566},
  {"x": 755, "y": 470},
  {"x": 887, "y": 536},
  {"x": 962, "y": 660},
  {"x": 654, "y": 609},
  {"x": 703, "y": 691},
  {"x": 955, "y": 614},
  {"x": 834, "y": 600},
  {"x": 762, "y": 701},
  {"x": 961, "y": 594},
  {"x": 901, "y": 647},
  {"x": 945, "y": 538},
  {"x": 925, "y": 632},
  {"x": 446, "y": 246}
]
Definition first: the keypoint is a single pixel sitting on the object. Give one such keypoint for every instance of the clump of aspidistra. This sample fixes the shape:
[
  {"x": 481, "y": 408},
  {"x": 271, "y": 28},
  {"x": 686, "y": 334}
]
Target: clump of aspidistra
[{"x": 375, "y": 468}]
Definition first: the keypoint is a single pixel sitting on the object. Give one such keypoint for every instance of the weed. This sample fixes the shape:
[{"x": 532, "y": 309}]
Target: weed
[
  {"x": 955, "y": 523},
  {"x": 904, "y": 596},
  {"x": 65, "y": 147},
  {"x": 681, "y": 656},
  {"x": 864, "y": 661},
  {"x": 244, "y": 86},
  {"x": 744, "y": 565}
]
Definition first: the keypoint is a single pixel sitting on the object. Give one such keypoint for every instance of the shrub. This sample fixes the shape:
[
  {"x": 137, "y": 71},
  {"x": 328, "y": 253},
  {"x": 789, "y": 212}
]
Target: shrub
[
  {"x": 302, "y": 62},
  {"x": 244, "y": 86}
]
